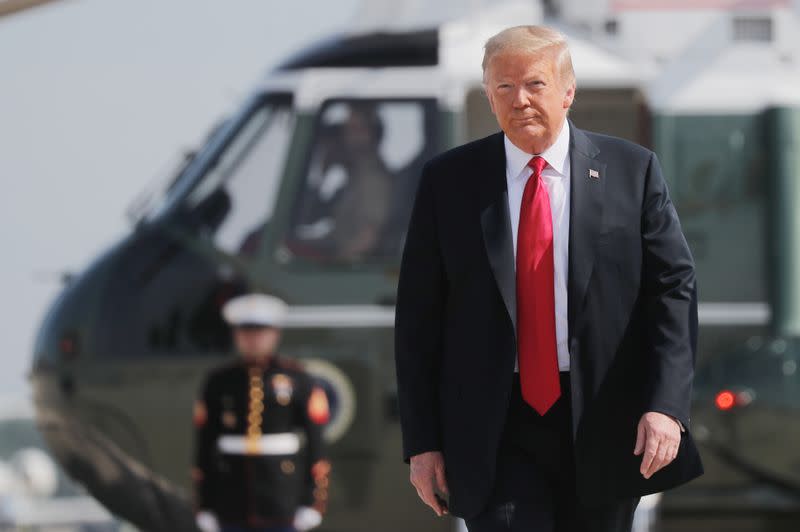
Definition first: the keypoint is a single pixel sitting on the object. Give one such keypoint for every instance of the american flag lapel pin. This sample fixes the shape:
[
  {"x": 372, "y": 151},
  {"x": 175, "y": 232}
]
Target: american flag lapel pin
[{"x": 594, "y": 174}]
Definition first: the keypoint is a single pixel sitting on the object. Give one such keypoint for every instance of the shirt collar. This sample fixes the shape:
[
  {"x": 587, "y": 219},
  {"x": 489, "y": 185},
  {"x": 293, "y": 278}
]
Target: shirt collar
[{"x": 556, "y": 155}]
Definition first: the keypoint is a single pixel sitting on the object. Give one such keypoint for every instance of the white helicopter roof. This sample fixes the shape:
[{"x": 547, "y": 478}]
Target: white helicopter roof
[
  {"x": 313, "y": 86},
  {"x": 713, "y": 73},
  {"x": 455, "y": 70}
]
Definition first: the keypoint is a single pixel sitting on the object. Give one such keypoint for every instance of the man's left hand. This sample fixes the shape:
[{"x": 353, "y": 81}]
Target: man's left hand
[{"x": 658, "y": 436}]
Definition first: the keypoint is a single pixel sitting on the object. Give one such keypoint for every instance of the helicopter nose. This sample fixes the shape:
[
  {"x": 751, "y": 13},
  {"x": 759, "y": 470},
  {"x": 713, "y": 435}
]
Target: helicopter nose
[
  {"x": 58, "y": 339},
  {"x": 61, "y": 337}
]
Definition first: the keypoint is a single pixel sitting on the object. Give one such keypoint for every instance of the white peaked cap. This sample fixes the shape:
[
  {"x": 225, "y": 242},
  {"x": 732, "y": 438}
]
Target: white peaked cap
[{"x": 255, "y": 309}]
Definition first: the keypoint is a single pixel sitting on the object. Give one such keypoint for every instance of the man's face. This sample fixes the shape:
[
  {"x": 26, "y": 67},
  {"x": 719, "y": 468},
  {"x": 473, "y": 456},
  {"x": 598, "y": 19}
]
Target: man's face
[
  {"x": 528, "y": 97},
  {"x": 357, "y": 131},
  {"x": 256, "y": 342}
]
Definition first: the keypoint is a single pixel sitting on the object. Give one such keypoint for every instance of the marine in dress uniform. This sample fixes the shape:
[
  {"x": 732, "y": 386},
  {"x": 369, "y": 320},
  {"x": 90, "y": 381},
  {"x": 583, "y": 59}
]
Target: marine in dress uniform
[{"x": 259, "y": 458}]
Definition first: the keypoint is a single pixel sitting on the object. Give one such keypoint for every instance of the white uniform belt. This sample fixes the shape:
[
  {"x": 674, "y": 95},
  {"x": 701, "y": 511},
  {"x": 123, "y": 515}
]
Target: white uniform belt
[{"x": 266, "y": 444}]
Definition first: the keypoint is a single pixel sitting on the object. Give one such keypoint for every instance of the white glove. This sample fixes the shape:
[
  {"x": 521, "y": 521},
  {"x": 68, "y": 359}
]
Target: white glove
[
  {"x": 207, "y": 521},
  {"x": 306, "y": 518}
]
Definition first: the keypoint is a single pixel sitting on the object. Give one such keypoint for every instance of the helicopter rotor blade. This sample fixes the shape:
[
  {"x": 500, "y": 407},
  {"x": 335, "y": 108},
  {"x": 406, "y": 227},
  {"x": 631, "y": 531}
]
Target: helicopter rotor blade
[{"x": 10, "y": 7}]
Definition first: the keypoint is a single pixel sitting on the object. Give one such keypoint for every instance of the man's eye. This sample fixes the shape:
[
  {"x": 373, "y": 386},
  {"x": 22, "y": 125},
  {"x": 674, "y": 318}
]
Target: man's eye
[{"x": 503, "y": 86}]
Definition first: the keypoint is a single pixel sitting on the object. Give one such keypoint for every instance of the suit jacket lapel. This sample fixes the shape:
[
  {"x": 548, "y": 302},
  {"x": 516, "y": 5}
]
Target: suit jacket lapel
[
  {"x": 496, "y": 223},
  {"x": 586, "y": 207},
  {"x": 587, "y": 182}
]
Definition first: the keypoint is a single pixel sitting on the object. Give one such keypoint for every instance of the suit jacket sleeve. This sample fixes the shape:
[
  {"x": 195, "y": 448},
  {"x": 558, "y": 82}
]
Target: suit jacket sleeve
[
  {"x": 670, "y": 302},
  {"x": 421, "y": 297}
]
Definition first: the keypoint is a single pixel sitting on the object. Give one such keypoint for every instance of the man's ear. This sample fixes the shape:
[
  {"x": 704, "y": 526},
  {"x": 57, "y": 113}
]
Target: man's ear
[{"x": 569, "y": 96}]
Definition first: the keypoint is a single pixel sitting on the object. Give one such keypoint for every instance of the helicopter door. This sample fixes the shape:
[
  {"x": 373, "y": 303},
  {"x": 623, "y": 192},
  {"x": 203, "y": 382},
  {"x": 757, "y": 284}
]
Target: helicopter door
[{"x": 621, "y": 112}]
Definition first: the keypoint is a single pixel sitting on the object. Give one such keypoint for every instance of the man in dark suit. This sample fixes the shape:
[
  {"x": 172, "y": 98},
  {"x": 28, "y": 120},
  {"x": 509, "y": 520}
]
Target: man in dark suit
[{"x": 546, "y": 319}]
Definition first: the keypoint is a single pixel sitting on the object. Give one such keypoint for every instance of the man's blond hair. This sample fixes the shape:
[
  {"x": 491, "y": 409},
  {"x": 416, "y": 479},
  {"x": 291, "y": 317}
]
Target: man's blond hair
[{"x": 533, "y": 40}]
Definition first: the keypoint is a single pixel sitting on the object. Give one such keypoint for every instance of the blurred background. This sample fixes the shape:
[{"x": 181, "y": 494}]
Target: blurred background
[{"x": 159, "y": 156}]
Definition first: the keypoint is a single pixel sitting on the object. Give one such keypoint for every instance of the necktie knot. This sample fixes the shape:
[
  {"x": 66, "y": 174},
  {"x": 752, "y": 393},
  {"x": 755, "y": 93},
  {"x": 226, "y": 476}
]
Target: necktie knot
[{"x": 537, "y": 164}]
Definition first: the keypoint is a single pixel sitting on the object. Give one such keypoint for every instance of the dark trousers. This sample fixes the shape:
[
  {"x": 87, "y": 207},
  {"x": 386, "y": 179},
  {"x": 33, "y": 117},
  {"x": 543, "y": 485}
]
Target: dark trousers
[{"x": 534, "y": 488}]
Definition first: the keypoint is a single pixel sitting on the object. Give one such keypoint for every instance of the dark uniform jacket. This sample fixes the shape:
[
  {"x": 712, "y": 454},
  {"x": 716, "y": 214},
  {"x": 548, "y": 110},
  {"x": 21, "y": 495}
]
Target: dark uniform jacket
[
  {"x": 632, "y": 317},
  {"x": 249, "y": 419}
]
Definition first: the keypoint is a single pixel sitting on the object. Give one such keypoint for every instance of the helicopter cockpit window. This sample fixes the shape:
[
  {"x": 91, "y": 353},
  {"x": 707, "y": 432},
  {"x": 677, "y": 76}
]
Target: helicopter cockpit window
[
  {"x": 236, "y": 196},
  {"x": 156, "y": 199},
  {"x": 363, "y": 169}
]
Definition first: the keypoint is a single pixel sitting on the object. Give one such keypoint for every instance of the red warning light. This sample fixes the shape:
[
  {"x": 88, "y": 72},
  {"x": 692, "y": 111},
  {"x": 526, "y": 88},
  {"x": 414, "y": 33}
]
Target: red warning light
[
  {"x": 725, "y": 400},
  {"x": 68, "y": 345}
]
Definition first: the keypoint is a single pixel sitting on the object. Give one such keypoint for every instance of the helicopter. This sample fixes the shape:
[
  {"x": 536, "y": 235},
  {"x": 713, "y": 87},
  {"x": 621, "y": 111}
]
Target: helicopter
[{"x": 304, "y": 192}]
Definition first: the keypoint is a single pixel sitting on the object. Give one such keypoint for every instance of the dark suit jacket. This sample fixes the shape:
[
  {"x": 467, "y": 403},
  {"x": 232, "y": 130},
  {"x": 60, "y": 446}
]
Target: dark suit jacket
[{"x": 632, "y": 311}]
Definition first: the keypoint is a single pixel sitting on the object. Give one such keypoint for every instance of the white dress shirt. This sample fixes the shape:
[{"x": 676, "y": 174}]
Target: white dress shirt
[{"x": 556, "y": 179}]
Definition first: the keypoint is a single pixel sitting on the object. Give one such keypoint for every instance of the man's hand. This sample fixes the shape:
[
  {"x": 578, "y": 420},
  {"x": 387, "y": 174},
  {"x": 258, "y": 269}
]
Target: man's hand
[
  {"x": 427, "y": 475},
  {"x": 658, "y": 437}
]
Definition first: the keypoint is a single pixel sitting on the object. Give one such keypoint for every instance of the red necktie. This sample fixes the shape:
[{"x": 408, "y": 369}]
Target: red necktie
[{"x": 536, "y": 317}]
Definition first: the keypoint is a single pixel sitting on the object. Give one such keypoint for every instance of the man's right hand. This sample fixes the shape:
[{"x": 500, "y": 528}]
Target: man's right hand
[{"x": 427, "y": 475}]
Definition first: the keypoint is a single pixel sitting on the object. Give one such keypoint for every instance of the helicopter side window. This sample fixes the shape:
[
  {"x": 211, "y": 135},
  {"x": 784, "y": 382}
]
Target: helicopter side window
[
  {"x": 235, "y": 198},
  {"x": 719, "y": 188},
  {"x": 363, "y": 169}
]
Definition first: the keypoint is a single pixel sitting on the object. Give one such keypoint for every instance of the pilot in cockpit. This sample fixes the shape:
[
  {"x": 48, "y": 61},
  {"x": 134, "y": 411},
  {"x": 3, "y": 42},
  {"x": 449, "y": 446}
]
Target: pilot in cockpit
[
  {"x": 363, "y": 205},
  {"x": 345, "y": 213}
]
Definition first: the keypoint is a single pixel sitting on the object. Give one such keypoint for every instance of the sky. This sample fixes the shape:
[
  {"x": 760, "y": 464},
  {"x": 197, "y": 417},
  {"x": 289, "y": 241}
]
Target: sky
[{"x": 99, "y": 98}]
